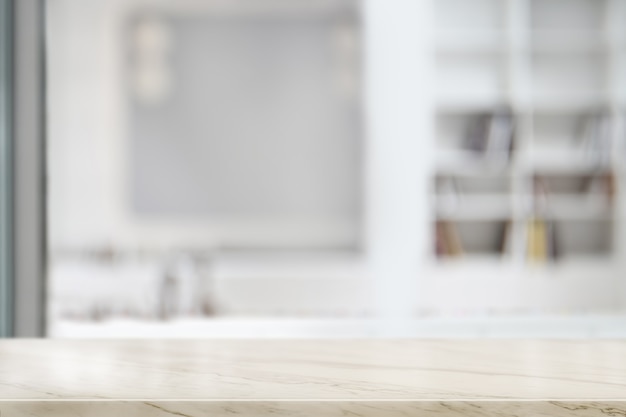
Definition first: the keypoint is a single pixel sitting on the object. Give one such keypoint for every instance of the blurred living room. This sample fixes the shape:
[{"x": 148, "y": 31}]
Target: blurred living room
[{"x": 324, "y": 169}]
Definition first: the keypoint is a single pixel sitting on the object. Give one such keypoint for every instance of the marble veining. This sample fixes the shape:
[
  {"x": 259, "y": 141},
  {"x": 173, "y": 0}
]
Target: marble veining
[
  {"x": 91, "y": 408},
  {"x": 333, "y": 378}
]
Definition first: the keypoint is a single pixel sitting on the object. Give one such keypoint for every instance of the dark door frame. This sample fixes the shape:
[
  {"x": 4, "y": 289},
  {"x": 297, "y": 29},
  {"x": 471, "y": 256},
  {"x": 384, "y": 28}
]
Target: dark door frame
[{"x": 22, "y": 169}]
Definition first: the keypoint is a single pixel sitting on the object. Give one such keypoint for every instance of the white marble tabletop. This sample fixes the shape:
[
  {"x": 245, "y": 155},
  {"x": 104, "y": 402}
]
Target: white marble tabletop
[{"x": 312, "y": 378}]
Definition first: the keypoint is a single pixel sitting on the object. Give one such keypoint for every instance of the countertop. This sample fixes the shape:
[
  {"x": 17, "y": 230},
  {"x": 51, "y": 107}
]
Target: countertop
[{"x": 312, "y": 378}]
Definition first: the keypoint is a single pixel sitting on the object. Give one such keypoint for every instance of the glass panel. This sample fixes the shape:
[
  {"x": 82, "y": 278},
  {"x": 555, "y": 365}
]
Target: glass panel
[{"x": 205, "y": 160}]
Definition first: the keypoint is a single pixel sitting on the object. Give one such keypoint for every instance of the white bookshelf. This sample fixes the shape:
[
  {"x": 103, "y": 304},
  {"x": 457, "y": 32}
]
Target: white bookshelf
[{"x": 554, "y": 63}]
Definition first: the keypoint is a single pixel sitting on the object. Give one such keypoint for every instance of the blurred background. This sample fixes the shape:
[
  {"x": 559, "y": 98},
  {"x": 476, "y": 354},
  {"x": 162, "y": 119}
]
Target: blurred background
[{"x": 336, "y": 168}]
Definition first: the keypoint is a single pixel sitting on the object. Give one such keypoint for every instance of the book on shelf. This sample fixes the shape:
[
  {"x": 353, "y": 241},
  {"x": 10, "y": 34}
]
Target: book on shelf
[
  {"x": 505, "y": 239},
  {"x": 537, "y": 241},
  {"x": 501, "y": 131},
  {"x": 601, "y": 184},
  {"x": 475, "y": 138},
  {"x": 448, "y": 241},
  {"x": 553, "y": 247},
  {"x": 596, "y": 186},
  {"x": 541, "y": 234},
  {"x": 490, "y": 135},
  {"x": 595, "y": 131},
  {"x": 441, "y": 248},
  {"x": 542, "y": 243},
  {"x": 540, "y": 194}
]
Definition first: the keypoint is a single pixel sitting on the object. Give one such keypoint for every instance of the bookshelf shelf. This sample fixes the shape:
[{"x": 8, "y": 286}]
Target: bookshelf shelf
[
  {"x": 468, "y": 101},
  {"x": 473, "y": 207},
  {"x": 563, "y": 162},
  {"x": 467, "y": 163},
  {"x": 577, "y": 208},
  {"x": 480, "y": 261},
  {"x": 568, "y": 102},
  {"x": 470, "y": 41},
  {"x": 562, "y": 42}
]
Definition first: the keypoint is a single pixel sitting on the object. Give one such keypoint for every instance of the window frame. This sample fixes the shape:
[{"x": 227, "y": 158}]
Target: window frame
[{"x": 23, "y": 185}]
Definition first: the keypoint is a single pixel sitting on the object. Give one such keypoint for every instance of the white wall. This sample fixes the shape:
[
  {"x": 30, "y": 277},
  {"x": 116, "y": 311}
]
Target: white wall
[{"x": 94, "y": 176}]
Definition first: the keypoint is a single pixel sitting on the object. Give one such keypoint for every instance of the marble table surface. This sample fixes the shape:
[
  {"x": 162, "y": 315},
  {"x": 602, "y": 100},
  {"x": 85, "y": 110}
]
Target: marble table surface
[{"x": 335, "y": 378}]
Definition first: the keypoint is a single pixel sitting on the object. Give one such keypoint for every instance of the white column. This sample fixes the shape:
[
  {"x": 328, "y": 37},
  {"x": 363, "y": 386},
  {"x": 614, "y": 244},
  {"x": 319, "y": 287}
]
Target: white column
[{"x": 399, "y": 90}]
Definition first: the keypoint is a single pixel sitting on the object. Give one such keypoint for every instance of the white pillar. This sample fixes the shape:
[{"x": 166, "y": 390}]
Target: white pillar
[{"x": 399, "y": 88}]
